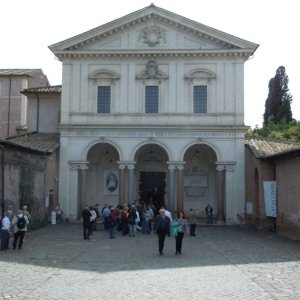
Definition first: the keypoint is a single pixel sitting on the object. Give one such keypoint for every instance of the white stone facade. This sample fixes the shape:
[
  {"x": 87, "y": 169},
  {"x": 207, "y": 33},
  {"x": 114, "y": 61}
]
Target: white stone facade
[{"x": 192, "y": 158}]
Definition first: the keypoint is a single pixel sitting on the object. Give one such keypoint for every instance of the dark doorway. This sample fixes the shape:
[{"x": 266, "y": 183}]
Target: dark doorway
[{"x": 152, "y": 188}]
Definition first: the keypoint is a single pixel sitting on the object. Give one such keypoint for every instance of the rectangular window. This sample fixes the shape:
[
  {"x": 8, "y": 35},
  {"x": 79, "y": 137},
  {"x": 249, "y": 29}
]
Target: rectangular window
[
  {"x": 104, "y": 96},
  {"x": 200, "y": 99},
  {"x": 151, "y": 101}
]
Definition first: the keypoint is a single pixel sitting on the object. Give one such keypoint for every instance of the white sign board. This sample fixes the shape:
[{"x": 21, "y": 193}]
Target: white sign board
[
  {"x": 200, "y": 181},
  {"x": 270, "y": 192}
]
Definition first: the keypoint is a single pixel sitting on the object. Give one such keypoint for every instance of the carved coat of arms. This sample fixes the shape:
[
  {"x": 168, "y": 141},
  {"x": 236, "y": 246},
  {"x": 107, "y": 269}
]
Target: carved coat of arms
[{"x": 152, "y": 35}]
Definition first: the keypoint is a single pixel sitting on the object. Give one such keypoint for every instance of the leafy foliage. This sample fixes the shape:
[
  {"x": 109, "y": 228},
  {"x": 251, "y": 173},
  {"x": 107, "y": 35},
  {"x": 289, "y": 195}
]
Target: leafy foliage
[
  {"x": 282, "y": 131},
  {"x": 278, "y": 103},
  {"x": 26, "y": 187}
]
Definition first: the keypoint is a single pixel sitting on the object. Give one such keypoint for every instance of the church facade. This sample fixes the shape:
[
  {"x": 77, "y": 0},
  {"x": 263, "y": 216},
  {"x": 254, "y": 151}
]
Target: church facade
[{"x": 152, "y": 109}]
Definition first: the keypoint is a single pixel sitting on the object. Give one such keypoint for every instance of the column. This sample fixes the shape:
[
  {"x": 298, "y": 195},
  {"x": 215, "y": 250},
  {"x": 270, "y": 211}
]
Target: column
[
  {"x": 220, "y": 193},
  {"x": 77, "y": 189},
  {"x": 71, "y": 210},
  {"x": 171, "y": 188},
  {"x": 122, "y": 199},
  {"x": 82, "y": 188},
  {"x": 230, "y": 203},
  {"x": 180, "y": 186},
  {"x": 130, "y": 188}
]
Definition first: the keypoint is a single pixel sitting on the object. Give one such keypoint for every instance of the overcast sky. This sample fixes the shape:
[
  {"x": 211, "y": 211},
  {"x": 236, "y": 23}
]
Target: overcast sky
[{"x": 29, "y": 27}]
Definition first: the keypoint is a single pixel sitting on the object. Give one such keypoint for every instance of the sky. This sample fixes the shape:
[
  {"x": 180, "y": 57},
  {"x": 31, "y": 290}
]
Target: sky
[{"x": 28, "y": 27}]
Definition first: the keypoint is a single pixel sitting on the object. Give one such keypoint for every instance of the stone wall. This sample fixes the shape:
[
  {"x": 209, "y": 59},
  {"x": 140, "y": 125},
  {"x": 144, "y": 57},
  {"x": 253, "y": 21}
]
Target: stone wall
[{"x": 29, "y": 179}]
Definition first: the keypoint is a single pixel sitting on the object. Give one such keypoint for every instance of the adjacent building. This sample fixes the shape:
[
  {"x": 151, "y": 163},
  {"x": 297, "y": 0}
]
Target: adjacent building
[
  {"x": 13, "y": 104},
  {"x": 276, "y": 162},
  {"x": 31, "y": 159},
  {"x": 31, "y": 164}
]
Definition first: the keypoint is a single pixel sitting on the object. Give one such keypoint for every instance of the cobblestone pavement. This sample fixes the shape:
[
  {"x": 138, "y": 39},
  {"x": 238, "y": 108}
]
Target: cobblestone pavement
[{"x": 222, "y": 262}]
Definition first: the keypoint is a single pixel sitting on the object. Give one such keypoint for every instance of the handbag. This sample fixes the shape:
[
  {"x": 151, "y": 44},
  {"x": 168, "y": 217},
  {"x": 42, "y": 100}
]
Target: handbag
[{"x": 174, "y": 228}]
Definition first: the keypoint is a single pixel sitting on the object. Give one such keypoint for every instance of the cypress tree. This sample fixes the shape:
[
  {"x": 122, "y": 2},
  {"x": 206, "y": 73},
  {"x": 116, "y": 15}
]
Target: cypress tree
[{"x": 278, "y": 103}]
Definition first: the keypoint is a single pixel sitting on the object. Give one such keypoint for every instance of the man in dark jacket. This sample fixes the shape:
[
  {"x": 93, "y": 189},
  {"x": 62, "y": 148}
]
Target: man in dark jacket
[
  {"x": 162, "y": 228},
  {"x": 86, "y": 214}
]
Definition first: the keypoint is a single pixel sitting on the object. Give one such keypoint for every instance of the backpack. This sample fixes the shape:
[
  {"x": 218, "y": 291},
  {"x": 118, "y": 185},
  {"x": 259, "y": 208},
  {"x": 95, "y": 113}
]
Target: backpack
[
  {"x": 124, "y": 215},
  {"x": 21, "y": 223},
  {"x": 131, "y": 218}
]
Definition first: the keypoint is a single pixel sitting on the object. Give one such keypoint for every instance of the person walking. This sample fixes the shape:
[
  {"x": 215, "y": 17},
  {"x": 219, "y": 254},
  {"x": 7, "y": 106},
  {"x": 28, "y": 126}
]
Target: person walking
[
  {"x": 124, "y": 220},
  {"x": 5, "y": 231},
  {"x": 105, "y": 214},
  {"x": 150, "y": 216},
  {"x": 162, "y": 228},
  {"x": 20, "y": 222},
  {"x": 86, "y": 215},
  {"x": 182, "y": 227},
  {"x": 93, "y": 217},
  {"x": 132, "y": 221},
  {"x": 168, "y": 214},
  {"x": 193, "y": 221},
  {"x": 209, "y": 214},
  {"x": 59, "y": 214},
  {"x": 96, "y": 209},
  {"x": 112, "y": 223}
]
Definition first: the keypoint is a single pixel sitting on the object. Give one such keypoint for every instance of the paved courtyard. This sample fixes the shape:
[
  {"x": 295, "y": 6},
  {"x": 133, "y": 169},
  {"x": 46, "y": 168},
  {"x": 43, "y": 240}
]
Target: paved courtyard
[{"x": 222, "y": 262}]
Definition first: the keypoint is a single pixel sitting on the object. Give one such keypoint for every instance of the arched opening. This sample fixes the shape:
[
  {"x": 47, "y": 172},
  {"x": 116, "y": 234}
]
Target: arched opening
[
  {"x": 200, "y": 183},
  {"x": 102, "y": 175},
  {"x": 151, "y": 175}
]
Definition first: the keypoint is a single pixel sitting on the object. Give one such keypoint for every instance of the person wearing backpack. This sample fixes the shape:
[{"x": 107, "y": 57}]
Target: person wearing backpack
[{"x": 19, "y": 223}]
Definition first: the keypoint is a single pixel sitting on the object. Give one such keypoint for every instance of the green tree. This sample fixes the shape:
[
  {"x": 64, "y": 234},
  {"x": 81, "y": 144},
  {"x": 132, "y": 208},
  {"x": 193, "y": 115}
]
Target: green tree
[
  {"x": 282, "y": 131},
  {"x": 278, "y": 104}
]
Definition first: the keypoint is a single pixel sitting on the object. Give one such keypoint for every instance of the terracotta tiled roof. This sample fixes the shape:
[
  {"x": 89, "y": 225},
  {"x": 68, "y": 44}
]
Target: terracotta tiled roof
[
  {"x": 18, "y": 72},
  {"x": 265, "y": 148},
  {"x": 43, "y": 90},
  {"x": 37, "y": 141}
]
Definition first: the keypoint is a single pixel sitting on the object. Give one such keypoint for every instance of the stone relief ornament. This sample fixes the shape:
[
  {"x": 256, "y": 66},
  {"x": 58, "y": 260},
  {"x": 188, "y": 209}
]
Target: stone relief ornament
[
  {"x": 152, "y": 72},
  {"x": 152, "y": 69},
  {"x": 152, "y": 36}
]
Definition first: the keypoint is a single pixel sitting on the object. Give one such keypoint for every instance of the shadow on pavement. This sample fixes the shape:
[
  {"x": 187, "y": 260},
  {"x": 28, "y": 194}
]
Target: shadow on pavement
[{"x": 62, "y": 246}]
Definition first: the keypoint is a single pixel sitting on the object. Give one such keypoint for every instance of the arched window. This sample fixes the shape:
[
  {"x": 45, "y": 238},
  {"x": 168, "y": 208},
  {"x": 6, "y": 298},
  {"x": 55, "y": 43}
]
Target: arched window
[
  {"x": 199, "y": 80},
  {"x": 104, "y": 80}
]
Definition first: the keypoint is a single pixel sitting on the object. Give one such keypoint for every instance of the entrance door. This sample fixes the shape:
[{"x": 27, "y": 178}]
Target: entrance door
[{"x": 152, "y": 188}]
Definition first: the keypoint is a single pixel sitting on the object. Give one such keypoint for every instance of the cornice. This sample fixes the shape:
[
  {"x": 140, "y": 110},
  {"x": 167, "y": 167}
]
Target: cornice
[
  {"x": 152, "y": 54},
  {"x": 220, "y": 128}
]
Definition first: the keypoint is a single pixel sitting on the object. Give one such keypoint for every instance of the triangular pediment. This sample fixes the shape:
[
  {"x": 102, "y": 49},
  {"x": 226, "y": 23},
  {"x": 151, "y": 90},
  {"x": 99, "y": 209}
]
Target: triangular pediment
[
  {"x": 152, "y": 28},
  {"x": 153, "y": 35}
]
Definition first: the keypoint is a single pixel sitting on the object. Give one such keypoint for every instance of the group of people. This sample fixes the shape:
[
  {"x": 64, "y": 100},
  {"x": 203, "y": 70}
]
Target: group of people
[
  {"x": 14, "y": 225},
  {"x": 127, "y": 219}
]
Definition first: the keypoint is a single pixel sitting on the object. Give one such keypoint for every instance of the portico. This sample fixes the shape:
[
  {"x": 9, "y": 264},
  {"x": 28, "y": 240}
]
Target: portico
[{"x": 195, "y": 172}]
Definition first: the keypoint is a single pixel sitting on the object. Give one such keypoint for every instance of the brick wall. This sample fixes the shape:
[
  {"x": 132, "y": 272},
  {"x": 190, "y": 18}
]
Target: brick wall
[
  {"x": 285, "y": 170},
  {"x": 287, "y": 175}
]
